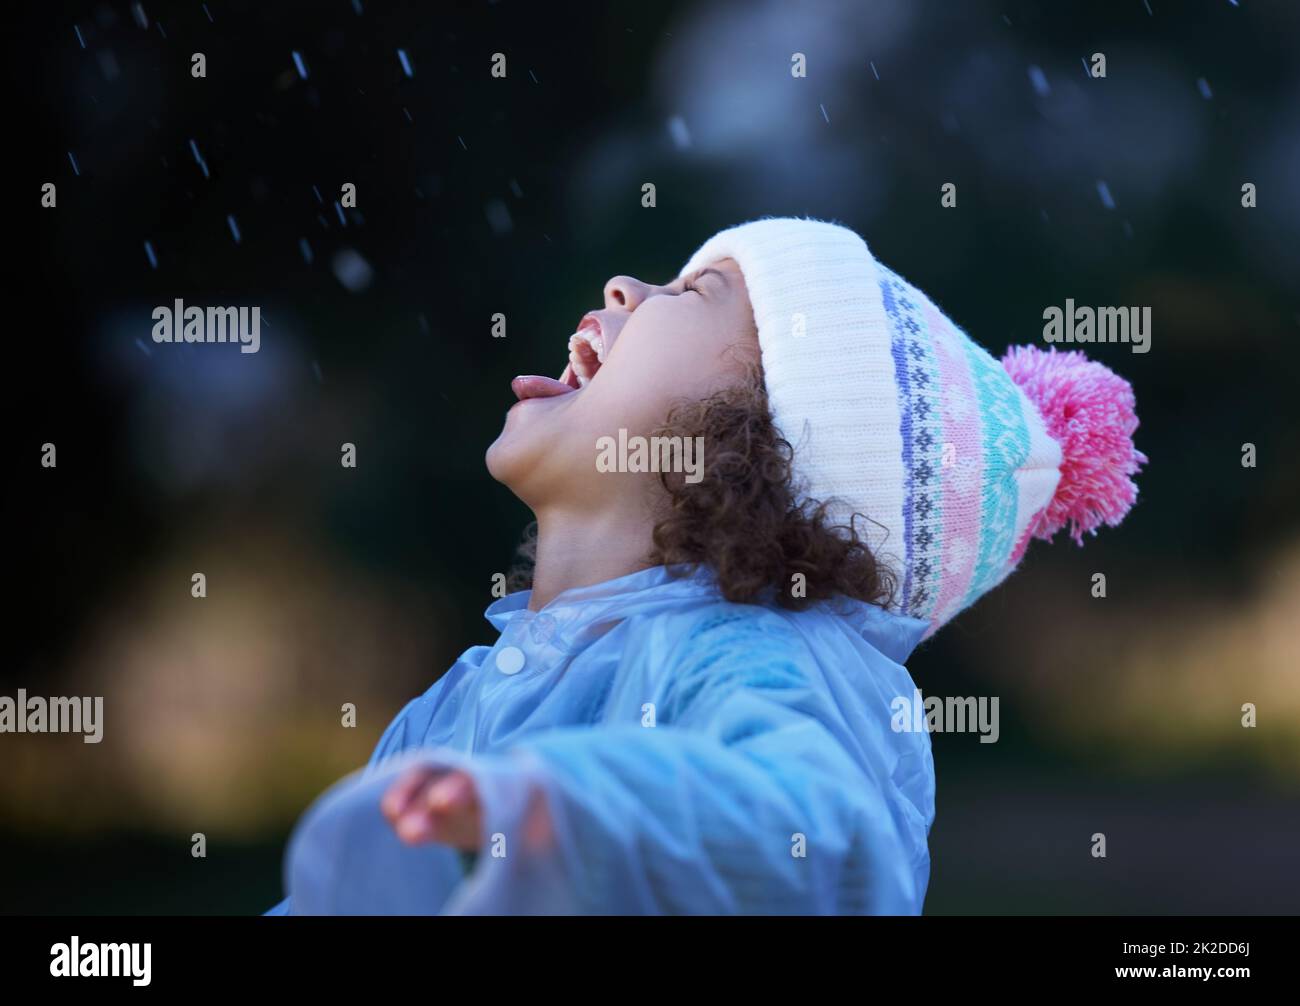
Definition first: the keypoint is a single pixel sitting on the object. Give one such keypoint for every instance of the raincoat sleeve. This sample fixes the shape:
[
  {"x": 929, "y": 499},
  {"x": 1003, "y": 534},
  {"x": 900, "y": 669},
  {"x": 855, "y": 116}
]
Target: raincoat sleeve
[
  {"x": 393, "y": 735},
  {"x": 737, "y": 791}
]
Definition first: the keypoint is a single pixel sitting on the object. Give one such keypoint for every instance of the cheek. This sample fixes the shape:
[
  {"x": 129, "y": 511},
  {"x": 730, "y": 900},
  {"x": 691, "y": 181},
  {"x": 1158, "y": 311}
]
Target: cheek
[
  {"x": 689, "y": 365},
  {"x": 637, "y": 401},
  {"x": 669, "y": 353},
  {"x": 681, "y": 352}
]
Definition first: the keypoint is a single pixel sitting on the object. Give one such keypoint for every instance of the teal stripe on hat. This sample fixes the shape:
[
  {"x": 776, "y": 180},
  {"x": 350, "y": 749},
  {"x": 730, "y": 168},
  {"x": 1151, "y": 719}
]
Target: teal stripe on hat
[{"x": 1005, "y": 443}]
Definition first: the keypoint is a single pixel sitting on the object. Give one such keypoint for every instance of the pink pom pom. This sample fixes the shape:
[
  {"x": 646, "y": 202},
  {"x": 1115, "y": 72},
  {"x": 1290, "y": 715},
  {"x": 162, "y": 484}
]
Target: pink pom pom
[{"x": 1088, "y": 410}]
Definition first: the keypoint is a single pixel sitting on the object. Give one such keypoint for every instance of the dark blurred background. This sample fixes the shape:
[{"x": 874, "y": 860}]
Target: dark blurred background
[{"x": 522, "y": 196}]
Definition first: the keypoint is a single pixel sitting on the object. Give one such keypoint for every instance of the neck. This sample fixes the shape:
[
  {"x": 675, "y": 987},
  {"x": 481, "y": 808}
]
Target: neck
[{"x": 577, "y": 549}]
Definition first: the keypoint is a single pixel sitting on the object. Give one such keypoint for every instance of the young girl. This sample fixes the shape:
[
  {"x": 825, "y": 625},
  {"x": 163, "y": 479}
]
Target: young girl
[{"x": 692, "y": 708}]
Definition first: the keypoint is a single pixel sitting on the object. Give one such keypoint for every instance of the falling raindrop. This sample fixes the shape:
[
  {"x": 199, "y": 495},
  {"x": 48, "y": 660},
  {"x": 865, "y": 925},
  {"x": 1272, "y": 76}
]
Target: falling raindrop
[
  {"x": 352, "y": 270},
  {"x": 498, "y": 216},
  {"x": 108, "y": 64},
  {"x": 1039, "y": 79},
  {"x": 203, "y": 165},
  {"x": 678, "y": 131}
]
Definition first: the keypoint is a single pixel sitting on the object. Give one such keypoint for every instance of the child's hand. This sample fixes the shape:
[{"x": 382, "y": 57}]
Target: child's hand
[{"x": 428, "y": 804}]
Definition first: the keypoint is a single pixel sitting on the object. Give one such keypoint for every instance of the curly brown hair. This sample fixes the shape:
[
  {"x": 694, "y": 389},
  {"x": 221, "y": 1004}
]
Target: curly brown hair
[{"x": 747, "y": 519}]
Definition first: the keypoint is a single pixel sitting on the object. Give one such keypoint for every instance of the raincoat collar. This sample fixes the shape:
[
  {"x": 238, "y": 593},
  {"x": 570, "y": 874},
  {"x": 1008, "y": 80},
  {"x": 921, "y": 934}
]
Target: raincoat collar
[
  {"x": 654, "y": 587},
  {"x": 894, "y": 634}
]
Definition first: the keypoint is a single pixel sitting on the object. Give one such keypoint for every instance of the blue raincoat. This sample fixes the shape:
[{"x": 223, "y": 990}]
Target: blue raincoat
[{"x": 644, "y": 746}]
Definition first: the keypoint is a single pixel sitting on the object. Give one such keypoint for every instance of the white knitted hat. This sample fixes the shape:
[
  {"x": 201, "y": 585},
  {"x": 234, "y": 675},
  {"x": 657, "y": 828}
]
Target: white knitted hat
[{"x": 894, "y": 413}]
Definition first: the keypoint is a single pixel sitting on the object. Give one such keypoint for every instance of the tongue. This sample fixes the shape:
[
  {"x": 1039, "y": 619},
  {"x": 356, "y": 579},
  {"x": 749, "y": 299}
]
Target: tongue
[{"x": 532, "y": 386}]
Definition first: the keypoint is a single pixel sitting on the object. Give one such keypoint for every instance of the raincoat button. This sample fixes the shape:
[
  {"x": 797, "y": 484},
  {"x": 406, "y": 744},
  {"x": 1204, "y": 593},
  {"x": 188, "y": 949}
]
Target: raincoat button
[{"x": 510, "y": 660}]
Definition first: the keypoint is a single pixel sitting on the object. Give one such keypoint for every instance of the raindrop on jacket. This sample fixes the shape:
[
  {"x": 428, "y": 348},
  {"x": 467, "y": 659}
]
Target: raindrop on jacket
[{"x": 645, "y": 746}]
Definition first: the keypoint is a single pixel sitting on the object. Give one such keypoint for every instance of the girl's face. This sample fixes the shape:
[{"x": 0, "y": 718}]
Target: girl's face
[{"x": 647, "y": 349}]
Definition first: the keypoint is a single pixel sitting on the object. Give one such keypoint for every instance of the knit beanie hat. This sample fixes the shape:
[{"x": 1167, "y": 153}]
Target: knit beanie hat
[{"x": 954, "y": 459}]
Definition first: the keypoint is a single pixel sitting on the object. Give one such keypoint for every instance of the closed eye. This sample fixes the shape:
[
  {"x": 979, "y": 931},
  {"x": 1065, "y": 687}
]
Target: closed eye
[{"x": 692, "y": 283}]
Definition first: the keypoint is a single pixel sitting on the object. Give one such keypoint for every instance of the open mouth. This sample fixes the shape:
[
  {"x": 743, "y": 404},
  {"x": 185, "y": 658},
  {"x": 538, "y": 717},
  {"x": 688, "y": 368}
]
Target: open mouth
[
  {"x": 586, "y": 353},
  {"x": 587, "y": 349}
]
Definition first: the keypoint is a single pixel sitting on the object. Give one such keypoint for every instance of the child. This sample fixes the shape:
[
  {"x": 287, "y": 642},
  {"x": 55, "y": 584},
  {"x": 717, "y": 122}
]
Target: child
[{"x": 690, "y": 710}]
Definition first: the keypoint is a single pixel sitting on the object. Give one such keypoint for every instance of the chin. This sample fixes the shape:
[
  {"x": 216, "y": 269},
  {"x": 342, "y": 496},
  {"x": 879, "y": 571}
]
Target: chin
[
  {"x": 499, "y": 459},
  {"x": 510, "y": 460}
]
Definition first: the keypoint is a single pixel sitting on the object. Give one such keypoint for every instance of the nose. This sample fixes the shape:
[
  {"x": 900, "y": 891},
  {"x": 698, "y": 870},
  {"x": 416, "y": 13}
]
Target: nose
[{"x": 626, "y": 292}]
